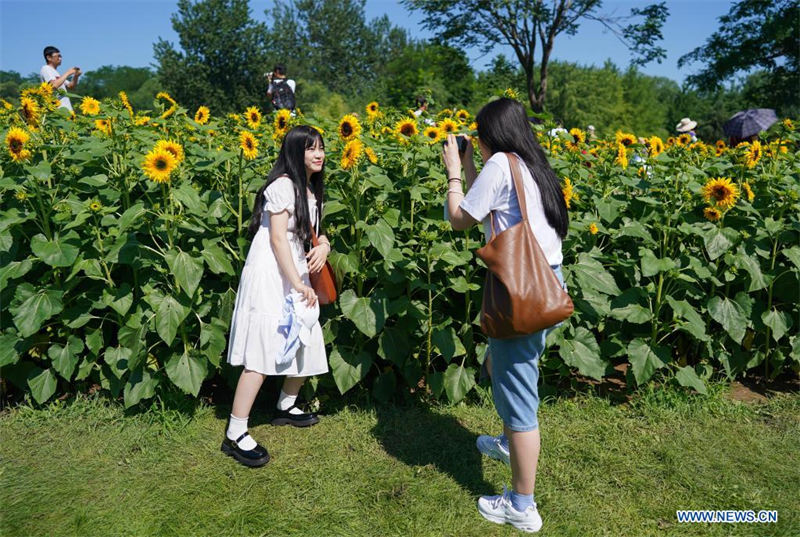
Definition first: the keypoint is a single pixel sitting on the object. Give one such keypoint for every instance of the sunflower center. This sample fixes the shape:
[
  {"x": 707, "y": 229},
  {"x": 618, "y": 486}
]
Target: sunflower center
[
  {"x": 282, "y": 123},
  {"x": 347, "y": 129},
  {"x": 720, "y": 192},
  {"x": 407, "y": 130},
  {"x": 161, "y": 164},
  {"x": 15, "y": 145}
]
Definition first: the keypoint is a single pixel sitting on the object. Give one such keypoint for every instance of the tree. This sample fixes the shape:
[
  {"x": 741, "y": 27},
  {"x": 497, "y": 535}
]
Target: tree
[
  {"x": 109, "y": 80},
  {"x": 755, "y": 35},
  {"x": 222, "y": 62},
  {"x": 525, "y": 24}
]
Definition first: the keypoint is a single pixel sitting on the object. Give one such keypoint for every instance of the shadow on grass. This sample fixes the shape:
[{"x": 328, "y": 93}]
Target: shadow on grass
[{"x": 419, "y": 436}]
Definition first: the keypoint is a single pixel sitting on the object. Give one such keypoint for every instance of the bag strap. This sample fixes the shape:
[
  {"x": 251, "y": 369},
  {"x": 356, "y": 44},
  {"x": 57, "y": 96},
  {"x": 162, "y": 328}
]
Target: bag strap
[{"x": 516, "y": 176}]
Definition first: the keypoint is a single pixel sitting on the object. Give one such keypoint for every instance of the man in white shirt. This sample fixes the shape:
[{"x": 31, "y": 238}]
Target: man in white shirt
[
  {"x": 281, "y": 89},
  {"x": 60, "y": 83}
]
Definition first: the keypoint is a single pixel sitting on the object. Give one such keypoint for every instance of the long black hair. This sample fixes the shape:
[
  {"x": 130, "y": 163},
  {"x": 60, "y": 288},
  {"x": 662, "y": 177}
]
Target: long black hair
[
  {"x": 503, "y": 127},
  {"x": 291, "y": 162}
]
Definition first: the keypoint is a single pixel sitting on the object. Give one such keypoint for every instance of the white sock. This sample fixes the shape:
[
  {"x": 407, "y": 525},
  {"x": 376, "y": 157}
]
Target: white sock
[
  {"x": 286, "y": 401},
  {"x": 236, "y": 427}
]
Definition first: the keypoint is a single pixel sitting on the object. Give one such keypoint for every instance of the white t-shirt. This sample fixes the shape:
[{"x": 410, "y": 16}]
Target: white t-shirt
[
  {"x": 48, "y": 73},
  {"x": 289, "y": 82},
  {"x": 493, "y": 190}
]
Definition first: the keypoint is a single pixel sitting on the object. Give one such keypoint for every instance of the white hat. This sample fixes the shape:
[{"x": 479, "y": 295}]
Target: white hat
[
  {"x": 590, "y": 128},
  {"x": 308, "y": 317},
  {"x": 685, "y": 125}
]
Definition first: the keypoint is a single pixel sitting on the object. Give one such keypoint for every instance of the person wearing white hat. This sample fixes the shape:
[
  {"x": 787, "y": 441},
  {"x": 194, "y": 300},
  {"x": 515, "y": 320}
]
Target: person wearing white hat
[{"x": 687, "y": 126}]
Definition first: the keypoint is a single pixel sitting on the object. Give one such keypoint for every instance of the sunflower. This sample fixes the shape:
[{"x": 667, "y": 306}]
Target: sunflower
[
  {"x": 173, "y": 106},
  {"x": 253, "y": 117},
  {"x": 444, "y": 113},
  {"x": 569, "y": 194},
  {"x": 721, "y": 192},
  {"x": 753, "y": 154},
  {"x": 6, "y": 105},
  {"x": 432, "y": 134},
  {"x": 405, "y": 129},
  {"x": 103, "y": 125},
  {"x": 371, "y": 156},
  {"x": 21, "y": 195},
  {"x": 622, "y": 156},
  {"x": 720, "y": 144},
  {"x": 349, "y": 128},
  {"x": 249, "y": 145},
  {"x": 126, "y": 103},
  {"x": 281, "y": 122},
  {"x": 578, "y": 136},
  {"x": 670, "y": 141},
  {"x": 447, "y": 126},
  {"x": 202, "y": 115},
  {"x": 158, "y": 165},
  {"x": 373, "y": 111},
  {"x": 712, "y": 214},
  {"x": 30, "y": 110},
  {"x": 90, "y": 106},
  {"x": 788, "y": 124},
  {"x": 748, "y": 191},
  {"x": 387, "y": 130},
  {"x": 462, "y": 116},
  {"x": 473, "y": 126},
  {"x": 352, "y": 153},
  {"x": 173, "y": 147},
  {"x": 656, "y": 146},
  {"x": 95, "y": 206},
  {"x": 16, "y": 139},
  {"x": 510, "y": 93},
  {"x": 683, "y": 140},
  {"x": 141, "y": 120},
  {"x": 625, "y": 138},
  {"x": 593, "y": 228}
]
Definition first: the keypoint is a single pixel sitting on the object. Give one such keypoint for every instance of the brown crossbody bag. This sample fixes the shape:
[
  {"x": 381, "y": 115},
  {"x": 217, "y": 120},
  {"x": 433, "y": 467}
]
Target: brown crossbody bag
[
  {"x": 324, "y": 281},
  {"x": 522, "y": 294}
]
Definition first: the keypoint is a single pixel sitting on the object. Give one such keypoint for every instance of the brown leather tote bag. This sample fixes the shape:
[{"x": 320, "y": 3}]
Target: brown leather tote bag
[
  {"x": 522, "y": 294},
  {"x": 324, "y": 281}
]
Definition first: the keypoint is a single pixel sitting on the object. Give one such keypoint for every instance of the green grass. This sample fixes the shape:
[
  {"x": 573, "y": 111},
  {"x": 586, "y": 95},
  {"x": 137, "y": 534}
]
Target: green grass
[{"x": 85, "y": 468}]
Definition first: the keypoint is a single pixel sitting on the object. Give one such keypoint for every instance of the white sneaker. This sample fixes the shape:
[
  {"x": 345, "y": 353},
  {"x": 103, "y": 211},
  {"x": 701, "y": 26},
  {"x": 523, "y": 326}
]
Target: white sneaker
[
  {"x": 494, "y": 448},
  {"x": 498, "y": 509}
]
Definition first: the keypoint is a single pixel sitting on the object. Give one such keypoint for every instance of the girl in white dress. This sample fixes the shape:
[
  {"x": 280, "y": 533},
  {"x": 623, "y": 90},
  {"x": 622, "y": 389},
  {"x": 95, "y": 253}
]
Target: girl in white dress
[{"x": 276, "y": 273}]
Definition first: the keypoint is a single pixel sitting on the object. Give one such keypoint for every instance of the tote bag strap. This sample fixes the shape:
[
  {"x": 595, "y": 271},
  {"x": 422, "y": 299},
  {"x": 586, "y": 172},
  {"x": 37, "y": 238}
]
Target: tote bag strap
[{"x": 516, "y": 176}]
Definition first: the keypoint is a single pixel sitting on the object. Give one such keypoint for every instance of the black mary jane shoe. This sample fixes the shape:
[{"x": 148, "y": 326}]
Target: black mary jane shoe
[
  {"x": 253, "y": 458},
  {"x": 285, "y": 417}
]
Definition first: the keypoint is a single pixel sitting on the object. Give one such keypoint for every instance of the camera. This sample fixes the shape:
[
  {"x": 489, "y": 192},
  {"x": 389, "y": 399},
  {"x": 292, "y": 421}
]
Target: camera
[{"x": 461, "y": 141}]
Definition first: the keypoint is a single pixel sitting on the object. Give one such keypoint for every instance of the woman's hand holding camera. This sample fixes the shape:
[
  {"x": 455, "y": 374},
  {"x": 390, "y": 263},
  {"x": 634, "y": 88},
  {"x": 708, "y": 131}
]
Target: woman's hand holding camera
[{"x": 451, "y": 155}]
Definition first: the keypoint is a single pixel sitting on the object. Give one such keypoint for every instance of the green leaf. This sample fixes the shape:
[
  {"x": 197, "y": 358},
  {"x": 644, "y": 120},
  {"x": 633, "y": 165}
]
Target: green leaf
[
  {"x": 187, "y": 371},
  {"x": 384, "y": 386},
  {"x": 118, "y": 360},
  {"x": 213, "y": 340},
  {"x": 458, "y": 381},
  {"x": 8, "y": 349},
  {"x": 169, "y": 316},
  {"x": 121, "y": 300},
  {"x": 348, "y": 370},
  {"x": 381, "y": 236},
  {"x": 793, "y": 254},
  {"x": 65, "y": 358},
  {"x": 582, "y": 352},
  {"x": 730, "y": 315},
  {"x": 778, "y": 321},
  {"x": 187, "y": 270},
  {"x": 694, "y": 324},
  {"x": 609, "y": 209},
  {"x": 131, "y": 216},
  {"x": 634, "y": 228},
  {"x": 42, "y": 384},
  {"x": 189, "y": 198},
  {"x": 217, "y": 259},
  {"x": 367, "y": 315},
  {"x": 627, "y": 306},
  {"x": 645, "y": 360},
  {"x": 59, "y": 252},
  {"x": 394, "y": 345},
  {"x": 94, "y": 341},
  {"x": 651, "y": 265},
  {"x": 716, "y": 243},
  {"x": 590, "y": 274},
  {"x": 140, "y": 385},
  {"x": 35, "y": 308},
  {"x": 687, "y": 377},
  {"x": 446, "y": 340},
  {"x": 749, "y": 262}
]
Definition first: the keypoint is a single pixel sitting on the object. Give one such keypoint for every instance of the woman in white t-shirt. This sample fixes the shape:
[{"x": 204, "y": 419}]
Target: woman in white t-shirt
[
  {"x": 275, "y": 328},
  {"x": 503, "y": 128}
]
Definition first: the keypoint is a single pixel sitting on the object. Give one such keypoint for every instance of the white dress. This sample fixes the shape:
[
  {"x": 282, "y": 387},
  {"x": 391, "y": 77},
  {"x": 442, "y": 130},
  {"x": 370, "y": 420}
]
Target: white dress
[{"x": 255, "y": 341}]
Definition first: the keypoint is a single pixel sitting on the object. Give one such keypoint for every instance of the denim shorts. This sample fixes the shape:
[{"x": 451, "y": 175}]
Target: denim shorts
[{"x": 515, "y": 376}]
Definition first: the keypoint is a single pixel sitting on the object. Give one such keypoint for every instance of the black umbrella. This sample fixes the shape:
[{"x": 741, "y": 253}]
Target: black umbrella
[{"x": 749, "y": 122}]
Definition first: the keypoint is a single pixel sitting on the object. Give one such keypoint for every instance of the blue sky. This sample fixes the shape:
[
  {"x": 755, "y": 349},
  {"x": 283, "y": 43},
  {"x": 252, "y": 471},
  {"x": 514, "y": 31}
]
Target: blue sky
[{"x": 92, "y": 33}]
